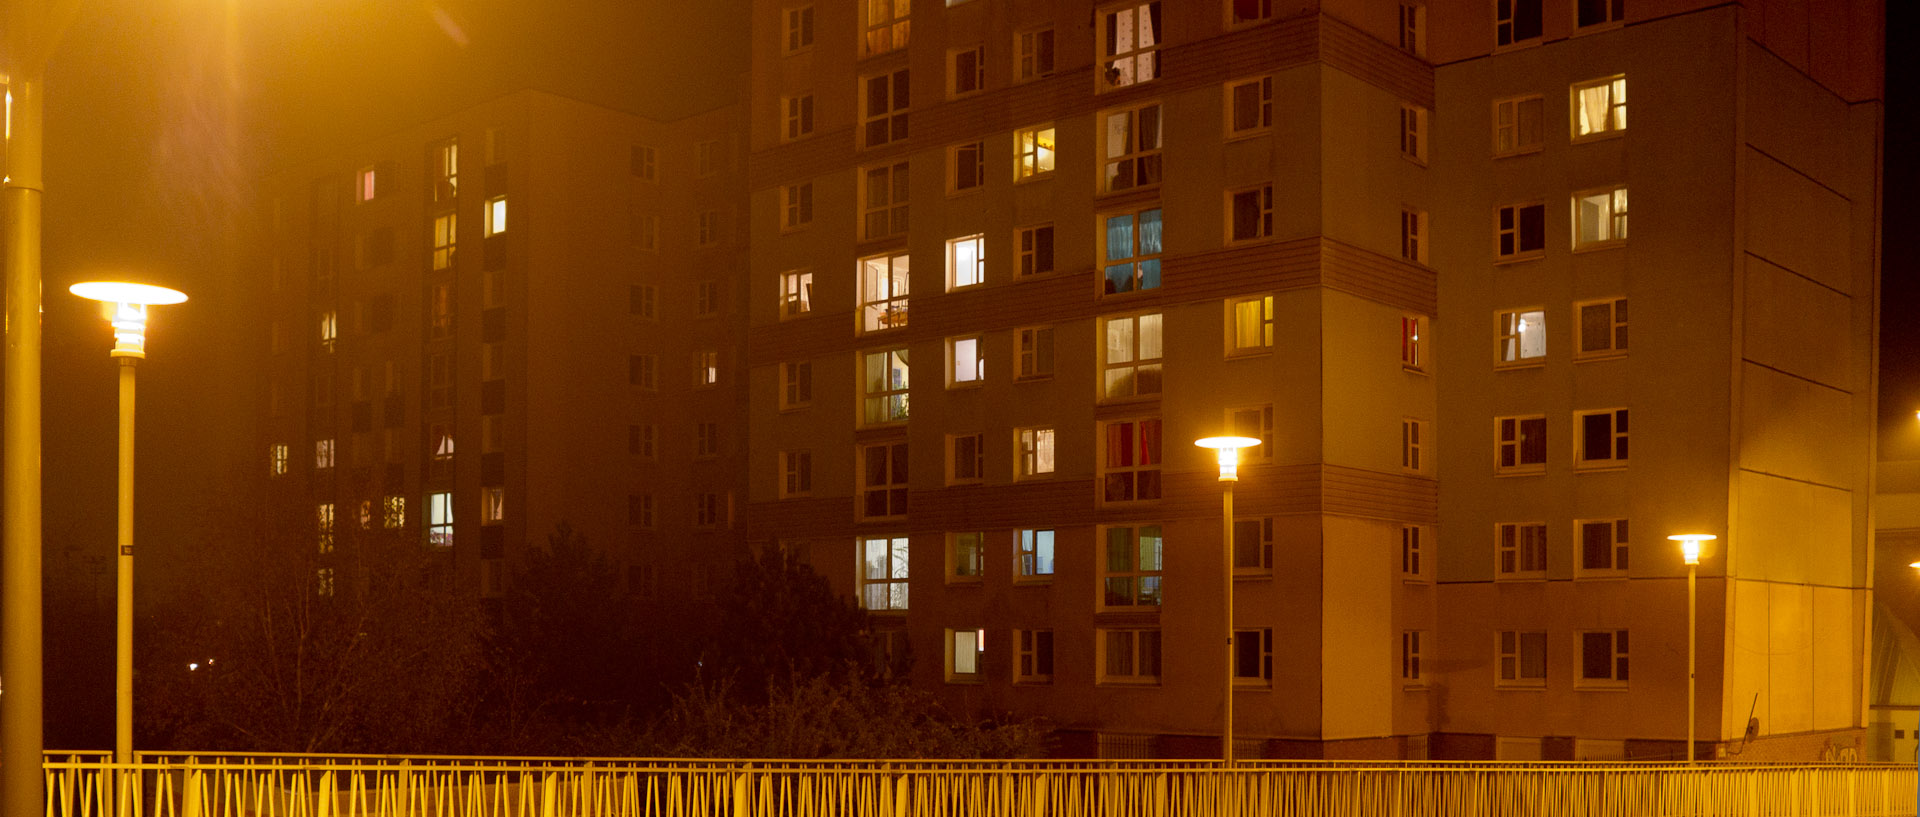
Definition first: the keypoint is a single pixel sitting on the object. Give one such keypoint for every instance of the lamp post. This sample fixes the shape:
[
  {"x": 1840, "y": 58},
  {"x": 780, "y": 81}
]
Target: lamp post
[
  {"x": 1690, "y": 551},
  {"x": 126, "y": 307},
  {"x": 1228, "y": 449}
]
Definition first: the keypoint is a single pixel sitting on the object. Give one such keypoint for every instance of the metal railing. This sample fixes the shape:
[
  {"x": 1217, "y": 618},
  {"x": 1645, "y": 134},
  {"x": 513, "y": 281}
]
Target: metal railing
[{"x": 224, "y": 785}]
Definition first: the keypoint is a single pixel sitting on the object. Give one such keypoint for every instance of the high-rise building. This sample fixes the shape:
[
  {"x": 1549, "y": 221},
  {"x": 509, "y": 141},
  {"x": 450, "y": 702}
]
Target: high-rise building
[{"x": 1043, "y": 246}]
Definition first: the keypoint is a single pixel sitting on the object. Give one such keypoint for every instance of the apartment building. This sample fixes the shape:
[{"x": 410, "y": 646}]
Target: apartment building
[
  {"x": 524, "y": 314},
  {"x": 1043, "y": 246}
]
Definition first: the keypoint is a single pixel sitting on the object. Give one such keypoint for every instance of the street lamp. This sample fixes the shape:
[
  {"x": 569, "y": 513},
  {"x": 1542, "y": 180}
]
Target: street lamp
[
  {"x": 1228, "y": 449},
  {"x": 1690, "y": 551},
  {"x": 125, "y": 305}
]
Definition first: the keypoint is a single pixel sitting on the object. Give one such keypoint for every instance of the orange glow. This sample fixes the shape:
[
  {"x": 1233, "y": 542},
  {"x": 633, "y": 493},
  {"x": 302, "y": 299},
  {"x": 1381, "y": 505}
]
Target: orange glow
[
  {"x": 1229, "y": 453},
  {"x": 1690, "y": 545}
]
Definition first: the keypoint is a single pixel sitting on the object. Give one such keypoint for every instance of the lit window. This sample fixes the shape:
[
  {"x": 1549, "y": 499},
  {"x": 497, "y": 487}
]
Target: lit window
[
  {"x": 1515, "y": 21},
  {"x": 1413, "y": 235},
  {"x": 1130, "y": 358},
  {"x": 966, "y": 557},
  {"x": 1130, "y": 573},
  {"x": 1253, "y": 657},
  {"x": 965, "y": 463},
  {"x": 1520, "y": 231},
  {"x": 1033, "y": 151},
  {"x": 1130, "y": 460},
  {"x": 1253, "y": 546},
  {"x": 440, "y": 520},
  {"x": 1129, "y": 656},
  {"x": 886, "y": 25},
  {"x": 1522, "y": 444},
  {"x": 963, "y": 658},
  {"x": 1034, "y": 54},
  {"x": 969, "y": 170},
  {"x": 706, "y": 368},
  {"x": 883, "y": 480},
  {"x": 1603, "y": 658},
  {"x": 1413, "y": 342},
  {"x": 1414, "y": 557},
  {"x": 642, "y": 163},
  {"x": 1250, "y": 213},
  {"x": 883, "y": 106},
  {"x": 1598, "y": 12},
  {"x": 1035, "y": 663},
  {"x": 1603, "y": 546},
  {"x": 883, "y": 292},
  {"x": 1129, "y": 42},
  {"x": 885, "y": 386},
  {"x": 1130, "y": 144},
  {"x": 1035, "y": 353},
  {"x": 799, "y": 28},
  {"x": 1599, "y": 107},
  {"x": 796, "y": 473},
  {"x": 640, "y": 372},
  {"x": 1249, "y": 106},
  {"x": 1036, "y": 250},
  {"x": 443, "y": 159},
  {"x": 1516, "y": 125},
  {"x": 883, "y": 201},
  {"x": 329, "y": 329},
  {"x": 1036, "y": 452},
  {"x": 706, "y": 439},
  {"x": 323, "y": 582},
  {"x": 493, "y": 505},
  {"x": 796, "y": 293},
  {"x": 323, "y": 516},
  {"x": 1035, "y": 556},
  {"x": 1603, "y": 327},
  {"x": 966, "y": 261},
  {"x": 966, "y": 72},
  {"x": 1599, "y": 217},
  {"x": 969, "y": 362},
  {"x": 1521, "y": 551},
  {"x": 799, "y": 115},
  {"x": 443, "y": 240},
  {"x": 1413, "y": 132},
  {"x": 393, "y": 512},
  {"x": 1413, "y": 447},
  {"x": 1255, "y": 422},
  {"x": 368, "y": 186},
  {"x": 796, "y": 384},
  {"x": 1252, "y": 322},
  {"x": 1523, "y": 336},
  {"x": 1413, "y": 28},
  {"x": 1600, "y": 438},
  {"x": 797, "y": 209},
  {"x": 277, "y": 460},
  {"x": 323, "y": 454},
  {"x": 883, "y": 574},
  {"x": 1130, "y": 257},
  {"x": 496, "y": 212},
  {"x": 1410, "y": 658}
]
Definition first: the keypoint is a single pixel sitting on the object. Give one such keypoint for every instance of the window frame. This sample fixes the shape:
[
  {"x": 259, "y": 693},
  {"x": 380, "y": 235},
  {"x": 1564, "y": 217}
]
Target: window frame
[
  {"x": 796, "y": 206},
  {"x": 1031, "y": 48},
  {"x": 1613, "y": 10},
  {"x": 796, "y": 116},
  {"x": 1264, "y": 328},
  {"x": 796, "y": 473},
  {"x": 1042, "y": 551},
  {"x": 1413, "y": 28},
  {"x": 1033, "y": 360},
  {"x": 1033, "y": 653},
  {"x": 1137, "y": 362},
  {"x": 1260, "y": 197},
  {"x": 1415, "y": 446},
  {"x": 1107, "y": 58},
  {"x": 796, "y": 384},
  {"x": 1414, "y": 123},
  {"x": 890, "y": 123},
  {"x": 955, "y": 644},
  {"x": 1142, "y": 474},
  {"x": 954, "y": 71},
  {"x": 894, "y": 408},
  {"x": 1411, "y": 675},
  {"x": 1414, "y": 235},
  {"x": 1518, "y": 127},
  {"x": 885, "y": 36},
  {"x": 1618, "y": 550},
  {"x": 1616, "y": 335},
  {"x": 1262, "y": 102},
  {"x": 959, "y": 374},
  {"x": 1614, "y": 117},
  {"x": 1416, "y": 554},
  {"x": 1511, "y": 331},
  {"x": 1617, "y": 448},
  {"x": 1032, "y": 445},
  {"x": 1521, "y": 551},
  {"x": 965, "y": 467},
  {"x": 1136, "y": 641},
  {"x": 1509, "y": 37},
  {"x": 1615, "y": 218},
  {"x": 1141, "y": 261},
  {"x": 892, "y": 491},
  {"x": 1035, "y": 152},
  {"x": 796, "y": 293},
  {"x": 1518, "y": 231},
  {"x": 1262, "y": 638},
  {"x": 885, "y": 219},
  {"x": 956, "y": 264},
  {"x": 1261, "y": 550},
  {"x": 966, "y": 168},
  {"x": 1413, "y": 343},
  {"x": 1136, "y": 160},
  {"x": 894, "y": 578},
  {"x": 1518, "y": 443},
  {"x": 1261, "y": 428},
  {"x": 1517, "y": 653},
  {"x": 1029, "y": 250},
  {"x": 1618, "y": 655},
  {"x": 1232, "y": 20},
  {"x": 883, "y": 301},
  {"x": 796, "y": 29}
]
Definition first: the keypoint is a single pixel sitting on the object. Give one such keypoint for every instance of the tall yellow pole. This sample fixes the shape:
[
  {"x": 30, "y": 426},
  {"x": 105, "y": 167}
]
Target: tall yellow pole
[
  {"x": 123, "y": 605},
  {"x": 1692, "y": 635},
  {"x": 1226, "y": 573}
]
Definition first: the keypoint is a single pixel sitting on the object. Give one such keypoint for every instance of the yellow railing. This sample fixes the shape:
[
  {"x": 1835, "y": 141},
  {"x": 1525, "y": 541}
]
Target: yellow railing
[{"x": 222, "y": 785}]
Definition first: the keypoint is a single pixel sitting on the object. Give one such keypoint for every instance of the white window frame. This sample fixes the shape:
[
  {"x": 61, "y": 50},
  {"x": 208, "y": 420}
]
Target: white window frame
[
  {"x": 1416, "y": 553},
  {"x": 1602, "y": 114},
  {"x": 1252, "y": 547},
  {"x": 1130, "y": 361},
  {"x": 323, "y": 454},
  {"x": 885, "y": 286},
  {"x": 1616, "y": 310},
  {"x": 966, "y": 459},
  {"x": 445, "y": 236},
  {"x": 1035, "y": 255},
  {"x": 882, "y": 572},
  {"x": 1506, "y": 32},
  {"x": 1033, "y": 151},
  {"x": 1034, "y": 450},
  {"x": 885, "y": 26},
  {"x": 796, "y": 29},
  {"x": 1413, "y": 133},
  {"x": 1413, "y": 342},
  {"x": 1033, "y": 353},
  {"x": 796, "y": 473},
  {"x": 1413, "y": 235},
  {"x": 883, "y": 112},
  {"x": 796, "y": 293},
  {"x": 1415, "y": 446},
  {"x": 1261, "y": 115},
  {"x": 277, "y": 458},
  {"x": 1257, "y": 201},
  {"x": 493, "y": 504},
  {"x": 1618, "y": 548},
  {"x": 1615, "y": 645},
  {"x": 706, "y": 440},
  {"x": 706, "y": 368},
  {"x": 1413, "y": 28},
  {"x": 1615, "y": 455},
  {"x": 1034, "y": 653},
  {"x": 1508, "y": 223},
  {"x": 1261, "y": 651},
  {"x": 1033, "y": 55},
  {"x": 495, "y": 211},
  {"x": 1410, "y": 649},
  {"x": 1613, "y": 13},
  {"x": 1520, "y": 551},
  {"x": 1127, "y": 53},
  {"x": 885, "y": 402},
  {"x": 1512, "y": 650},
  {"x": 884, "y": 197},
  {"x": 1131, "y": 141},
  {"x": 1262, "y": 12},
  {"x": 797, "y": 112},
  {"x": 1519, "y": 125},
  {"x": 891, "y": 489},
  {"x": 960, "y": 77},
  {"x": 966, "y": 261},
  {"x": 966, "y": 168},
  {"x": 1249, "y": 325},
  {"x": 1608, "y": 225},
  {"x": 1133, "y": 646},
  {"x": 1132, "y": 578},
  {"x": 966, "y": 361},
  {"x": 439, "y": 527},
  {"x": 796, "y": 384},
  {"x": 966, "y": 557},
  {"x": 1034, "y": 552},
  {"x": 796, "y": 206},
  {"x": 1522, "y": 337},
  {"x": 966, "y": 651},
  {"x": 1510, "y": 437},
  {"x": 1255, "y": 422},
  {"x": 1142, "y": 269}
]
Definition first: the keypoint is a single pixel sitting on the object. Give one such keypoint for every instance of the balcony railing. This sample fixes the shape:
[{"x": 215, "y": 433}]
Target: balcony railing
[{"x": 218, "y": 785}]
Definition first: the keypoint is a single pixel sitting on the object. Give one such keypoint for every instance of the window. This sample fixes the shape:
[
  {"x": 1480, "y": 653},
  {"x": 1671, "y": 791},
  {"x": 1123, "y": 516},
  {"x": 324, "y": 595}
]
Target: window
[
  {"x": 1523, "y": 336},
  {"x": 706, "y": 368},
  {"x": 1130, "y": 143},
  {"x": 646, "y": 231},
  {"x": 1522, "y": 444},
  {"x": 706, "y": 298},
  {"x": 706, "y": 439},
  {"x": 1034, "y": 54},
  {"x": 440, "y": 316},
  {"x": 1255, "y": 422},
  {"x": 1413, "y": 552},
  {"x": 329, "y": 329},
  {"x": 1603, "y": 545},
  {"x": 1413, "y": 132},
  {"x": 1521, "y": 551},
  {"x": 883, "y": 292},
  {"x": 1033, "y": 152},
  {"x": 1413, "y": 28},
  {"x": 640, "y": 511},
  {"x": 1515, "y": 21},
  {"x": 966, "y": 72},
  {"x": 964, "y": 459},
  {"x": 642, "y": 163},
  {"x": 1129, "y": 656},
  {"x": 1130, "y": 573},
  {"x": 493, "y": 505},
  {"x": 1035, "y": 660},
  {"x": 496, "y": 216},
  {"x": 883, "y": 105},
  {"x": 1129, "y": 44},
  {"x": 886, "y": 386},
  {"x": 709, "y": 229},
  {"x": 277, "y": 460},
  {"x": 796, "y": 293},
  {"x": 1253, "y": 657},
  {"x": 643, "y": 440},
  {"x": 443, "y": 159},
  {"x": 1599, "y": 107},
  {"x": 1130, "y": 257},
  {"x": 1516, "y": 125},
  {"x": 709, "y": 157},
  {"x": 1603, "y": 327},
  {"x": 799, "y": 28},
  {"x": 640, "y": 372},
  {"x": 796, "y": 469},
  {"x": 1598, "y": 12},
  {"x": 1413, "y": 445},
  {"x": 967, "y": 363},
  {"x": 323, "y": 454},
  {"x": 797, "y": 205},
  {"x": 1251, "y": 319},
  {"x": 1249, "y": 106},
  {"x": 1035, "y": 556},
  {"x": 966, "y": 556},
  {"x": 323, "y": 516},
  {"x": 442, "y": 450},
  {"x": 1520, "y": 231},
  {"x": 1250, "y": 213},
  {"x": 966, "y": 647},
  {"x": 886, "y": 25},
  {"x": 796, "y": 384},
  {"x": 1036, "y": 250},
  {"x": 1243, "y": 12},
  {"x": 1599, "y": 218},
  {"x": 440, "y": 520},
  {"x": 1603, "y": 658},
  {"x": 394, "y": 512},
  {"x": 1130, "y": 465},
  {"x": 1035, "y": 353},
  {"x": 883, "y": 480},
  {"x": 1413, "y": 342},
  {"x": 1130, "y": 358},
  {"x": 1523, "y": 658},
  {"x": 443, "y": 240},
  {"x": 1410, "y": 658},
  {"x": 1600, "y": 439},
  {"x": 883, "y": 575},
  {"x": 367, "y": 186},
  {"x": 706, "y": 514},
  {"x": 966, "y": 261},
  {"x": 323, "y": 582},
  {"x": 1036, "y": 452},
  {"x": 967, "y": 169},
  {"x": 641, "y": 299},
  {"x": 1413, "y": 235},
  {"x": 883, "y": 201},
  {"x": 1253, "y": 546}
]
